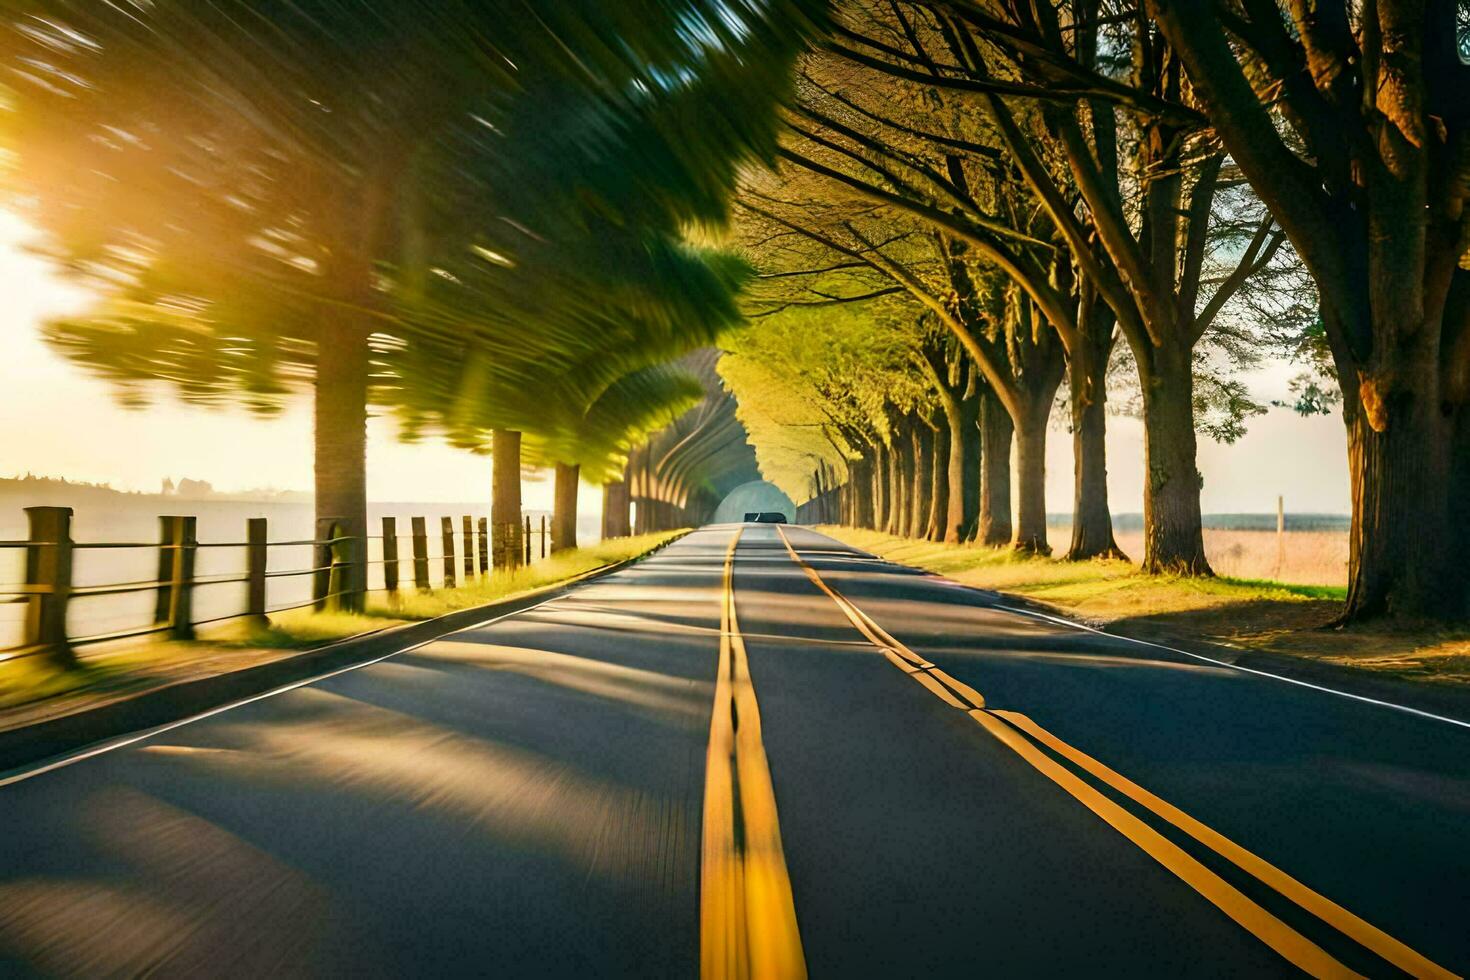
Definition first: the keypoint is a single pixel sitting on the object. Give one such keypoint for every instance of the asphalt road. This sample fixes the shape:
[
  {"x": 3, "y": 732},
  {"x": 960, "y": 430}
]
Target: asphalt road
[{"x": 850, "y": 768}]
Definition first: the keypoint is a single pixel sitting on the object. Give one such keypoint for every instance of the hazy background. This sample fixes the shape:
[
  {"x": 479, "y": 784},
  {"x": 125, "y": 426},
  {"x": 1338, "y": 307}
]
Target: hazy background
[{"x": 55, "y": 420}]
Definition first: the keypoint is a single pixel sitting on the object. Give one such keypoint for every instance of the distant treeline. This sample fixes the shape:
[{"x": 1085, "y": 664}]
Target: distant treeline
[{"x": 185, "y": 489}]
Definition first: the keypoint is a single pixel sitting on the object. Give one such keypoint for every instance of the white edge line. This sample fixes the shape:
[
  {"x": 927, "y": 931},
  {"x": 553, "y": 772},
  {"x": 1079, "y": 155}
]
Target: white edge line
[
  {"x": 1419, "y": 712},
  {"x": 1221, "y": 663},
  {"x": 61, "y": 762}
]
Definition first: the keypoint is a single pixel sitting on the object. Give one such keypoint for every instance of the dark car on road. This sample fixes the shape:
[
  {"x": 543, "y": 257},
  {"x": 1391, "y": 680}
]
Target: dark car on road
[{"x": 765, "y": 517}]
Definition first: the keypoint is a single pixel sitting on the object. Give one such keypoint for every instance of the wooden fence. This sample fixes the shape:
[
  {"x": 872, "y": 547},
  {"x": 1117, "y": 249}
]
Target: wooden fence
[{"x": 339, "y": 572}]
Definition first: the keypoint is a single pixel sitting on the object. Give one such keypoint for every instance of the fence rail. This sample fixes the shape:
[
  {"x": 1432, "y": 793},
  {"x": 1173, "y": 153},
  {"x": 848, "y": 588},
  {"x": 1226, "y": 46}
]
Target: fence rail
[{"x": 339, "y": 572}]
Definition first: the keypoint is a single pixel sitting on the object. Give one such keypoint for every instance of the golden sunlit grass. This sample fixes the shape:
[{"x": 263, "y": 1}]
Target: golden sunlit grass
[
  {"x": 556, "y": 568},
  {"x": 103, "y": 676},
  {"x": 1251, "y": 613},
  {"x": 304, "y": 628}
]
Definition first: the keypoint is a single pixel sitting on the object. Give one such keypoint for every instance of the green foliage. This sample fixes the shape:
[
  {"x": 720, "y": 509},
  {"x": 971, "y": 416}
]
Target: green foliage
[
  {"x": 812, "y": 383},
  {"x": 494, "y": 201}
]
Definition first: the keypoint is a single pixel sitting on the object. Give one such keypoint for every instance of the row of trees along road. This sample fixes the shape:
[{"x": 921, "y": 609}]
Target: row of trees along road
[
  {"x": 1162, "y": 172},
  {"x": 456, "y": 211},
  {"x": 899, "y": 182},
  {"x": 346, "y": 194}
]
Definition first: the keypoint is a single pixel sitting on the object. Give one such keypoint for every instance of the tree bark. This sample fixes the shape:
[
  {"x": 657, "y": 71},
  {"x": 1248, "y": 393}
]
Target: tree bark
[
  {"x": 852, "y": 494},
  {"x": 876, "y": 486},
  {"x": 939, "y": 495},
  {"x": 1399, "y": 560},
  {"x": 962, "y": 484},
  {"x": 1031, "y": 482},
  {"x": 881, "y": 463},
  {"x": 615, "y": 509},
  {"x": 921, "y": 495},
  {"x": 340, "y": 437},
  {"x": 995, "y": 473},
  {"x": 1173, "y": 535},
  {"x": 970, "y": 475},
  {"x": 505, "y": 499},
  {"x": 903, "y": 508},
  {"x": 860, "y": 493},
  {"x": 894, "y": 453},
  {"x": 564, "y": 507},
  {"x": 1092, "y": 519}
]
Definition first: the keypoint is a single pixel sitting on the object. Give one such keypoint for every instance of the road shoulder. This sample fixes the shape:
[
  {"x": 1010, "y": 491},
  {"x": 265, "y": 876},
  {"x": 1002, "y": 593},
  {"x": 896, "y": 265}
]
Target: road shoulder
[{"x": 72, "y": 726}]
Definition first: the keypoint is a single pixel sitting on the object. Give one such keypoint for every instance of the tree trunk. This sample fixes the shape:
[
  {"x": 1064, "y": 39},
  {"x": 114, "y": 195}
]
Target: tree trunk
[
  {"x": 995, "y": 473},
  {"x": 847, "y": 497},
  {"x": 880, "y": 488},
  {"x": 1400, "y": 457},
  {"x": 860, "y": 493},
  {"x": 1092, "y": 519},
  {"x": 939, "y": 495},
  {"x": 615, "y": 509},
  {"x": 894, "y": 524},
  {"x": 1458, "y": 513},
  {"x": 340, "y": 437},
  {"x": 921, "y": 494},
  {"x": 1173, "y": 539},
  {"x": 564, "y": 507},
  {"x": 1031, "y": 483},
  {"x": 964, "y": 470},
  {"x": 903, "y": 505},
  {"x": 505, "y": 499},
  {"x": 865, "y": 485}
]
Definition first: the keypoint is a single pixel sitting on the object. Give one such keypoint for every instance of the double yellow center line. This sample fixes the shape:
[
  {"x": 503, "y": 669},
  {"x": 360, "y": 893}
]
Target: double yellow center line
[
  {"x": 1023, "y": 736},
  {"x": 747, "y": 916}
]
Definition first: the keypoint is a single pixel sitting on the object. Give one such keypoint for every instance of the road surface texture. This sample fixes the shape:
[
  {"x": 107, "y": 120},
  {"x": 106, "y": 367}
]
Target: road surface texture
[{"x": 758, "y": 753}]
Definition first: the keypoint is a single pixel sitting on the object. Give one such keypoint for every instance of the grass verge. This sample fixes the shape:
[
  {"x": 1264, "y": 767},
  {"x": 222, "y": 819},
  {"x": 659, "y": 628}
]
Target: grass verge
[
  {"x": 1254, "y": 614},
  {"x": 31, "y": 689}
]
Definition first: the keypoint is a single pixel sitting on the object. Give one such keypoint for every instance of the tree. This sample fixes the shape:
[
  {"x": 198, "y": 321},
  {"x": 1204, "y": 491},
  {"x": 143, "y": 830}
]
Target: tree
[
  {"x": 1020, "y": 361},
  {"x": 680, "y": 473},
  {"x": 1050, "y": 108},
  {"x": 594, "y": 448},
  {"x": 933, "y": 160},
  {"x": 257, "y": 159},
  {"x": 1352, "y": 125},
  {"x": 831, "y": 380}
]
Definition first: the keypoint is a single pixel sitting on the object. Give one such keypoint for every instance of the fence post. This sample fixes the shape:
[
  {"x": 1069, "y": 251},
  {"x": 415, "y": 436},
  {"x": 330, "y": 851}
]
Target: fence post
[
  {"x": 508, "y": 546},
  {"x": 390, "y": 557},
  {"x": 484, "y": 546},
  {"x": 446, "y": 528},
  {"x": 163, "y": 600},
  {"x": 543, "y": 535},
  {"x": 420, "y": 555},
  {"x": 256, "y": 557},
  {"x": 1280, "y": 533},
  {"x": 176, "y": 551},
  {"x": 469, "y": 549},
  {"x": 528, "y": 539},
  {"x": 48, "y": 575}
]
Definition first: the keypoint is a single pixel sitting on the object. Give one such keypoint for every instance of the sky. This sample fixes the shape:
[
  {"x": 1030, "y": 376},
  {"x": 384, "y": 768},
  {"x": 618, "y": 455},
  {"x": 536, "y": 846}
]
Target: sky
[{"x": 57, "y": 420}]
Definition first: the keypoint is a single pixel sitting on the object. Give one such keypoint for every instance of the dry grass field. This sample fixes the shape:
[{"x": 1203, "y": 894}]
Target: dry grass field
[{"x": 1307, "y": 558}]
